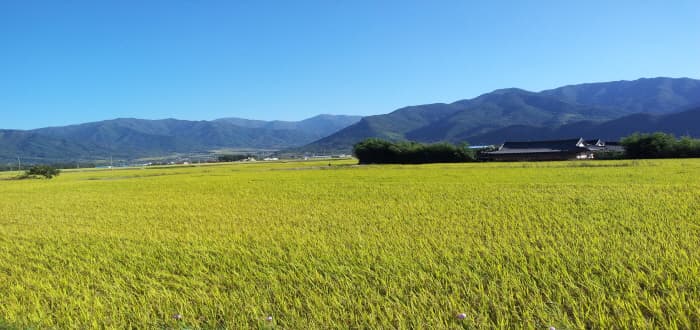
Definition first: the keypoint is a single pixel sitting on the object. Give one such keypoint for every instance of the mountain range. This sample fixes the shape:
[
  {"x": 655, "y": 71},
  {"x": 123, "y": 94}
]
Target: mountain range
[
  {"x": 515, "y": 113},
  {"x": 129, "y": 138},
  {"x": 607, "y": 110},
  {"x": 683, "y": 123}
]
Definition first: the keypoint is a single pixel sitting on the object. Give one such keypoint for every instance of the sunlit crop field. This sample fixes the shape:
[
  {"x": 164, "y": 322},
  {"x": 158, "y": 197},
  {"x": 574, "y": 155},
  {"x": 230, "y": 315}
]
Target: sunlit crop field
[{"x": 598, "y": 244}]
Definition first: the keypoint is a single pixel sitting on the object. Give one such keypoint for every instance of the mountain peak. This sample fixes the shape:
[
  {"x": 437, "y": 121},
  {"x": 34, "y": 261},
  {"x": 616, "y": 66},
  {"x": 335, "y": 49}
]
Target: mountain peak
[{"x": 511, "y": 90}]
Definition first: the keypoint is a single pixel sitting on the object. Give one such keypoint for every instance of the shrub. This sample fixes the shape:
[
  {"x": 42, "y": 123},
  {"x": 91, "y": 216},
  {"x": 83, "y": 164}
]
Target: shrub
[{"x": 42, "y": 170}]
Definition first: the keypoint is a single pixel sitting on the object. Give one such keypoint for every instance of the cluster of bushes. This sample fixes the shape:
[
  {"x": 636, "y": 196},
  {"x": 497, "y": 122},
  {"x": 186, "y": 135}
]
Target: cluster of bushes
[
  {"x": 378, "y": 151},
  {"x": 37, "y": 171},
  {"x": 660, "y": 145}
]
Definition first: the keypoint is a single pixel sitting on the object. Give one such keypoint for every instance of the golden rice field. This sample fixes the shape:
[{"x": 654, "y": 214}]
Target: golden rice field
[{"x": 570, "y": 245}]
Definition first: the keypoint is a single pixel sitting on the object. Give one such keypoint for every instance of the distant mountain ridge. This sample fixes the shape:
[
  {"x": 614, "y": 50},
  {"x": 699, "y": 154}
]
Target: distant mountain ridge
[
  {"x": 479, "y": 120},
  {"x": 653, "y": 95},
  {"x": 133, "y": 138},
  {"x": 320, "y": 125},
  {"x": 684, "y": 123},
  {"x": 595, "y": 110}
]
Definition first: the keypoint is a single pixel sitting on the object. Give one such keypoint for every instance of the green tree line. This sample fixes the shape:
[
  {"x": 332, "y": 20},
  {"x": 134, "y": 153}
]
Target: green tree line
[
  {"x": 660, "y": 145},
  {"x": 378, "y": 151}
]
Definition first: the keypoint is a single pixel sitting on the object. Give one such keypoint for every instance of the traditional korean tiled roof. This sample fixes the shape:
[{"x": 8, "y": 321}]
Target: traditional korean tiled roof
[{"x": 555, "y": 146}]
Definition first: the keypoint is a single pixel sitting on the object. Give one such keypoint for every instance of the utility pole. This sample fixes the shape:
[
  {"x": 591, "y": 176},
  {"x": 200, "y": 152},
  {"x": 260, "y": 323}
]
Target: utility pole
[{"x": 19, "y": 164}]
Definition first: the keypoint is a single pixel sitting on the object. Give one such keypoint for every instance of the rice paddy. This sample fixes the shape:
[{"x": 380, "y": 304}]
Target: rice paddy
[{"x": 304, "y": 245}]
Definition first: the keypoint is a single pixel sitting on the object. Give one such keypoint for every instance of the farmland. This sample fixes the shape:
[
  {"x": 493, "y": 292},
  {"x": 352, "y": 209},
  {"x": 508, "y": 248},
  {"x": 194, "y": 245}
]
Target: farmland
[{"x": 598, "y": 244}]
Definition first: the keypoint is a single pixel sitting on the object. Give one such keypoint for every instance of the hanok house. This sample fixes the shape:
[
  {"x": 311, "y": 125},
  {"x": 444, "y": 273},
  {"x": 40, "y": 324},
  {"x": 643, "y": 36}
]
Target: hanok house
[
  {"x": 595, "y": 145},
  {"x": 541, "y": 150}
]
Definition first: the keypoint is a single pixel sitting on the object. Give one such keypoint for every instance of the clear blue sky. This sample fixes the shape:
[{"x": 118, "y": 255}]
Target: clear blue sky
[{"x": 64, "y": 61}]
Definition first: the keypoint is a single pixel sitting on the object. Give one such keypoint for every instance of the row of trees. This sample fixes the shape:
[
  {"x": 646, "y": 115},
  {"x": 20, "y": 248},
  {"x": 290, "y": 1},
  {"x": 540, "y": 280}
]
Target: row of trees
[
  {"x": 660, "y": 145},
  {"x": 378, "y": 151}
]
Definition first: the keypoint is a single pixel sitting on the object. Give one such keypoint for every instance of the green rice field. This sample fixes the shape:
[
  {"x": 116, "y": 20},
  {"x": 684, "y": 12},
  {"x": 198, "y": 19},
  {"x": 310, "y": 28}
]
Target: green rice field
[{"x": 304, "y": 245}]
